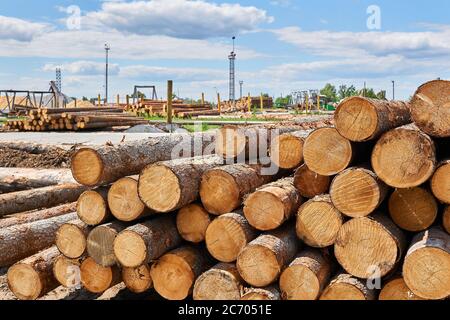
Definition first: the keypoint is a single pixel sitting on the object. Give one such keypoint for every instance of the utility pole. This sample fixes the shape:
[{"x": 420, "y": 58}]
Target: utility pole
[
  {"x": 393, "y": 90},
  {"x": 107, "y": 48},
  {"x": 241, "y": 83}
]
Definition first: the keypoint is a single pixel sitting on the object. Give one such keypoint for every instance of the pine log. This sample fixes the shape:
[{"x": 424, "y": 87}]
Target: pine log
[
  {"x": 47, "y": 197},
  {"x": 404, "y": 157},
  {"x": 33, "y": 216},
  {"x": 67, "y": 271},
  {"x": 32, "y": 277},
  {"x": 427, "y": 265},
  {"x": 413, "y": 209},
  {"x": 319, "y": 222},
  {"x": 346, "y": 287},
  {"x": 397, "y": 290},
  {"x": 310, "y": 184},
  {"x": 146, "y": 241},
  {"x": 221, "y": 282},
  {"x": 271, "y": 205},
  {"x": 260, "y": 263},
  {"x": 96, "y": 278},
  {"x": 446, "y": 219},
  {"x": 286, "y": 150},
  {"x": 222, "y": 189},
  {"x": 107, "y": 164},
  {"x": 362, "y": 119},
  {"x": 306, "y": 276},
  {"x": 262, "y": 294},
  {"x": 227, "y": 235},
  {"x": 369, "y": 245},
  {"x": 124, "y": 202},
  {"x": 171, "y": 185},
  {"x": 174, "y": 273},
  {"x": 71, "y": 238},
  {"x": 430, "y": 108},
  {"x": 357, "y": 192},
  {"x": 92, "y": 207},
  {"x": 137, "y": 280},
  {"x": 192, "y": 222},
  {"x": 100, "y": 243},
  {"x": 440, "y": 182},
  {"x": 20, "y": 241},
  {"x": 110, "y": 124}
]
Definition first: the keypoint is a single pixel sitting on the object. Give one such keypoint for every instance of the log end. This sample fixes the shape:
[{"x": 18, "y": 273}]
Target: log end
[
  {"x": 91, "y": 208},
  {"x": 264, "y": 211},
  {"x": 24, "y": 282},
  {"x": 230, "y": 142},
  {"x": 123, "y": 200},
  {"x": 446, "y": 219},
  {"x": 67, "y": 272},
  {"x": 137, "y": 280},
  {"x": 286, "y": 151},
  {"x": 130, "y": 249},
  {"x": 217, "y": 284},
  {"x": 100, "y": 245},
  {"x": 440, "y": 183},
  {"x": 71, "y": 241},
  {"x": 94, "y": 277},
  {"x": 343, "y": 291},
  {"x": 299, "y": 282},
  {"x": 219, "y": 192},
  {"x": 397, "y": 290},
  {"x": 87, "y": 167},
  {"x": 310, "y": 184},
  {"x": 192, "y": 223}
]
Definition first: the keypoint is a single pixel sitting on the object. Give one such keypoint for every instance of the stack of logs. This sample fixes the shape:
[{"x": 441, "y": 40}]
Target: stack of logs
[
  {"x": 179, "y": 109},
  {"x": 359, "y": 211},
  {"x": 74, "y": 119}
]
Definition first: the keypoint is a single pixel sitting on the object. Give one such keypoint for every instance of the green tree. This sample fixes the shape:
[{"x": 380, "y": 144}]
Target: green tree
[
  {"x": 368, "y": 93},
  {"x": 381, "y": 95},
  {"x": 329, "y": 91},
  {"x": 85, "y": 98},
  {"x": 345, "y": 91},
  {"x": 282, "y": 102}
]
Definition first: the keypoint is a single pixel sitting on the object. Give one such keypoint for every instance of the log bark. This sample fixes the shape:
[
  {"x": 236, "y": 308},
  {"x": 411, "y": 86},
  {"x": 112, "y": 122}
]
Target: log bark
[
  {"x": 223, "y": 189},
  {"x": 71, "y": 238},
  {"x": 440, "y": 182},
  {"x": 32, "y": 277},
  {"x": 310, "y": 184},
  {"x": 137, "y": 280},
  {"x": 92, "y": 207},
  {"x": 430, "y": 108},
  {"x": 171, "y": 185},
  {"x": 33, "y": 216},
  {"x": 346, "y": 287},
  {"x": 96, "y": 278},
  {"x": 22, "y": 201},
  {"x": 262, "y": 294},
  {"x": 306, "y": 276},
  {"x": 286, "y": 150},
  {"x": 404, "y": 157},
  {"x": 192, "y": 223},
  {"x": 107, "y": 164},
  {"x": 174, "y": 273},
  {"x": 413, "y": 209},
  {"x": 67, "y": 271},
  {"x": 146, "y": 241},
  {"x": 260, "y": 263},
  {"x": 357, "y": 192},
  {"x": 227, "y": 235},
  {"x": 272, "y": 204},
  {"x": 426, "y": 269},
  {"x": 397, "y": 290},
  {"x": 446, "y": 219},
  {"x": 21, "y": 241},
  {"x": 362, "y": 119},
  {"x": 369, "y": 245},
  {"x": 318, "y": 222},
  {"x": 221, "y": 282}
]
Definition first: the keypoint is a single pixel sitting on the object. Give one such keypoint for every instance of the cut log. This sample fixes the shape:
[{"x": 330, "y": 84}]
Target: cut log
[
  {"x": 310, "y": 184},
  {"x": 221, "y": 282},
  {"x": 260, "y": 263},
  {"x": 222, "y": 189},
  {"x": 32, "y": 277},
  {"x": 33, "y": 216},
  {"x": 21, "y": 241},
  {"x": 262, "y": 294},
  {"x": 107, "y": 164},
  {"x": 446, "y": 219},
  {"x": 397, "y": 290},
  {"x": 96, "y": 278},
  {"x": 440, "y": 183},
  {"x": 404, "y": 157},
  {"x": 171, "y": 185},
  {"x": 192, "y": 223},
  {"x": 362, "y": 119},
  {"x": 413, "y": 209},
  {"x": 67, "y": 271},
  {"x": 306, "y": 276},
  {"x": 286, "y": 150},
  {"x": 318, "y": 222},
  {"x": 100, "y": 243},
  {"x": 272, "y": 204},
  {"x": 357, "y": 192},
  {"x": 174, "y": 273},
  {"x": 369, "y": 245},
  {"x": 326, "y": 152},
  {"x": 347, "y": 287},
  {"x": 92, "y": 207},
  {"x": 137, "y": 280},
  {"x": 71, "y": 238},
  {"x": 227, "y": 235},
  {"x": 146, "y": 241},
  {"x": 41, "y": 198},
  {"x": 430, "y": 108},
  {"x": 427, "y": 265}
]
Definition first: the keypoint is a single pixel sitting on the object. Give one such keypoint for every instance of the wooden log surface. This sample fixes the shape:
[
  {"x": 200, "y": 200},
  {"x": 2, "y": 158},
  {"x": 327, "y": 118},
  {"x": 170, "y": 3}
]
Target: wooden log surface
[
  {"x": 96, "y": 278},
  {"x": 137, "y": 280},
  {"x": 346, "y": 287},
  {"x": 397, "y": 290},
  {"x": 71, "y": 238},
  {"x": 440, "y": 182},
  {"x": 446, "y": 219},
  {"x": 192, "y": 222},
  {"x": 92, "y": 207},
  {"x": 67, "y": 271},
  {"x": 262, "y": 294},
  {"x": 286, "y": 150},
  {"x": 310, "y": 184}
]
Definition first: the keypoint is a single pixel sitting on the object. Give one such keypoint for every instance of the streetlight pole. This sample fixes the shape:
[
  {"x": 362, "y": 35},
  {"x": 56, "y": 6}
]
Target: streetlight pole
[
  {"x": 107, "y": 48},
  {"x": 393, "y": 90},
  {"x": 241, "y": 83}
]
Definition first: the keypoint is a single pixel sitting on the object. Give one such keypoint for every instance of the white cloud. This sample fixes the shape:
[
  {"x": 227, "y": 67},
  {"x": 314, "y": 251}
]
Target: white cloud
[
  {"x": 83, "y": 68},
  {"x": 20, "y": 30},
  {"x": 153, "y": 73}
]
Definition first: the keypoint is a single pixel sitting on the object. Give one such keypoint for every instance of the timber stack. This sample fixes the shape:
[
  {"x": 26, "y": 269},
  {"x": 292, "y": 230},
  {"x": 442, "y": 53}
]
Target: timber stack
[
  {"x": 180, "y": 109},
  {"x": 360, "y": 211}
]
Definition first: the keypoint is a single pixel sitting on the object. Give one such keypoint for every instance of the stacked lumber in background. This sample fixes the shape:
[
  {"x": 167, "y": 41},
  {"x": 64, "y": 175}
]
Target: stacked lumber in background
[
  {"x": 243, "y": 104},
  {"x": 75, "y": 119},
  {"x": 180, "y": 109},
  {"x": 360, "y": 212}
]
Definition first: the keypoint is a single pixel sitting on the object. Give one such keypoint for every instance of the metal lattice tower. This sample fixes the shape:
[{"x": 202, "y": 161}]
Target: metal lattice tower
[
  {"x": 58, "y": 79},
  {"x": 232, "y": 58}
]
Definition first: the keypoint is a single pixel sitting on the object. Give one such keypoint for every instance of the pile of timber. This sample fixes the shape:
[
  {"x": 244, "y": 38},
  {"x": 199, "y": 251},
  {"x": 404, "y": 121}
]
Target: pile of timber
[
  {"x": 247, "y": 104},
  {"x": 74, "y": 119},
  {"x": 179, "y": 109},
  {"x": 359, "y": 211}
]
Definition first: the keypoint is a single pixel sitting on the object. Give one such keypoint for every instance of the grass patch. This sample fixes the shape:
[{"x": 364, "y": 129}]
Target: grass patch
[{"x": 204, "y": 127}]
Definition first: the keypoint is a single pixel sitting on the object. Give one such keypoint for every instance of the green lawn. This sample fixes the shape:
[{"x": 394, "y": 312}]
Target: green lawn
[{"x": 205, "y": 127}]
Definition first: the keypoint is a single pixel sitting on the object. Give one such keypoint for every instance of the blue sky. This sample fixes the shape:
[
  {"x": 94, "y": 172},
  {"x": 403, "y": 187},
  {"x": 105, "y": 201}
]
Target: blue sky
[{"x": 282, "y": 45}]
